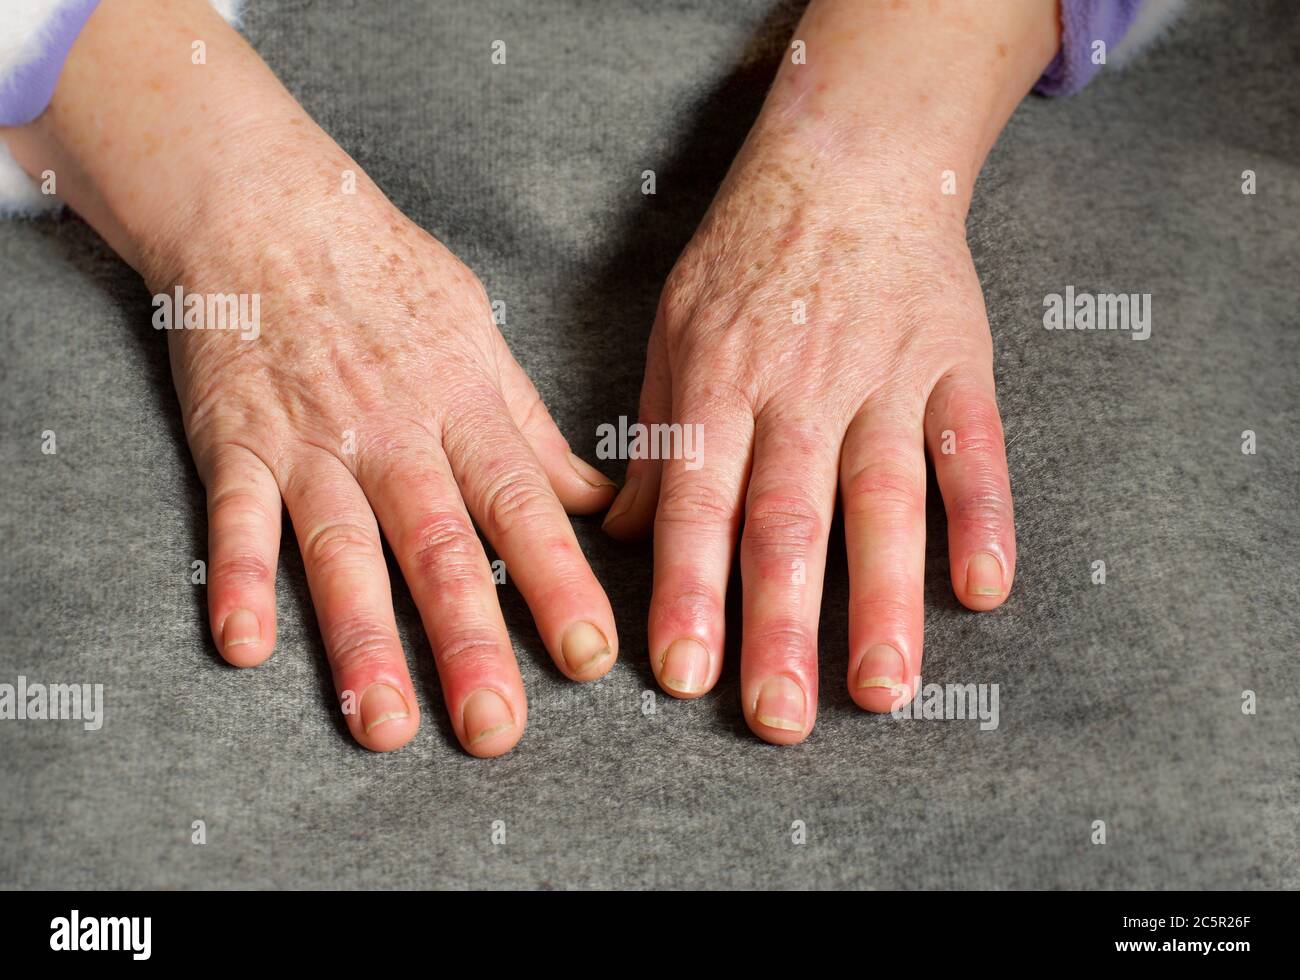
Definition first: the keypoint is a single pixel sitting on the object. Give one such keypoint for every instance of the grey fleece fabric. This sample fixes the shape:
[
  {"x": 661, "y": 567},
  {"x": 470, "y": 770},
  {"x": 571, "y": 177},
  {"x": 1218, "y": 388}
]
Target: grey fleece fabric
[{"x": 1119, "y": 702}]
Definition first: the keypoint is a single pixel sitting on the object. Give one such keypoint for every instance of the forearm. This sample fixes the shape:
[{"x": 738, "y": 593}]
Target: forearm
[
  {"x": 906, "y": 91},
  {"x": 150, "y": 147}
]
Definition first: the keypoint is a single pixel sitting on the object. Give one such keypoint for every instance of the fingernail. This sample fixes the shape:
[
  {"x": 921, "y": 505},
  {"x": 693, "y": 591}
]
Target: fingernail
[
  {"x": 379, "y": 704},
  {"x": 685, "y": 668},
  {"x": 624, "y": 501},
  {"x": 781, "y": 704},
  {"x": 984, "y": 575},
  {"x": 582, "y": 646},
  {"x": 486, "y": 714},
  {"x": 589, "y": 473},
  {"x": 240, "y": 629},
  {"x": 882, "y": 666}
]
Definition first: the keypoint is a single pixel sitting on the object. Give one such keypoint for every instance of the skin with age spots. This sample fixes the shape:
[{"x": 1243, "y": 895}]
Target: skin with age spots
[
  {"x": 379, "y": 401},
  {"x": 835, "y": 201}
]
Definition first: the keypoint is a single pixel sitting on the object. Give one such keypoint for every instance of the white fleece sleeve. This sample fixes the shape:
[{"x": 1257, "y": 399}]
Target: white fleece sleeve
[
  {"x": 1152, "y": 23},
  {"x": 35, "y": 37}
]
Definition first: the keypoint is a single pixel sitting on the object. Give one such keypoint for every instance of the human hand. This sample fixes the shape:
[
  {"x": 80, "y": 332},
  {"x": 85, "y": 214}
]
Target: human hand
[
  {"x": 378, "y": 387},
  {"x": 372, "y": 391},
  {"x": 822, "y": 329},
  {"x": 889, "y": 353}
]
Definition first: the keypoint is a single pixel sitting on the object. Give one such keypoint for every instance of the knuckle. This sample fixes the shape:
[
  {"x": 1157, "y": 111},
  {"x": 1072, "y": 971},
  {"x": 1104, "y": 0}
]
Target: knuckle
[
  {"x": 444, "y": 547},
  {"x": 360, "y": 642},
  {"x": 890, "y": 610},
  {"x": 516, "y": 500},
  {"x": 688, "y": 594},
  {"x": 973, "y": 418},
  {"x": 680, "y": 290},
  {"x": 785, "y": 642},
  {"x": 473, "y": 650},
  {"x": 240, "y": 507},
  {"x": 778, "y": 525},
  {"x": 980, "y": 509},
  {"x": 241, "y": 569},
  {"x": 339, "y": 543},
  {"x": 979, "y": 438},
  {"x": 694, "y": 503},
  {"x": 885, "y": 486},
  {"x": 535, "y": 416}
]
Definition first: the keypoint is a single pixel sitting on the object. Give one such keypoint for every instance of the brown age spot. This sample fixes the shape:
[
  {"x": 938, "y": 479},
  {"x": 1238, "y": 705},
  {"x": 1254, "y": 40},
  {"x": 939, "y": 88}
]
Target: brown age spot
[{"x": 1002, "y": 50}]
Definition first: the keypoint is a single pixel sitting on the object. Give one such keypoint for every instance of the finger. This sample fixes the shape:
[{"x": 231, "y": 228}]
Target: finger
[
  {"x": 964, "y": 433},
  {"x": 705, "y": 465},
  {"x": 243, "y": 547},
  {"x": 632, "y": 513},
  {"x": 421, "y": 512},
  {"x": 345, "y": 567},
  {"x": 882, "y": 479},
  {"x": 579, "y": 486},
  {"x": 788, "y": 512},
  {"x": 511, "y": 499}
]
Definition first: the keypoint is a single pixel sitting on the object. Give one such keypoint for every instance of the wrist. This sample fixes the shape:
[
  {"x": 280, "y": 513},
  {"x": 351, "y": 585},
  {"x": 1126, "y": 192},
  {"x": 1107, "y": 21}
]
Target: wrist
[
  {"x": 907, "y": 98},
  {"x": 166, "y": 152},
  {"x": 274, "y": 189}
]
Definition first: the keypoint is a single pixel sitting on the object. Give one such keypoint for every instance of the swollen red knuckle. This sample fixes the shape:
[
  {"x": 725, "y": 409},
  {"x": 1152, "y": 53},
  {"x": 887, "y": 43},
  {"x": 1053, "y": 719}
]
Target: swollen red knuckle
[
  {"x": 441, "y": 543},
  {"x": 980, "y": 510}
]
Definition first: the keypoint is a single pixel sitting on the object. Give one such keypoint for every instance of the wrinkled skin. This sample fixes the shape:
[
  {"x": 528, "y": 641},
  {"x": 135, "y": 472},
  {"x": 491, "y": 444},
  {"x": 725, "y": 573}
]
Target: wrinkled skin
[
  {"x": 380, "y": 396},
  {"x": 894, "y": 352}
]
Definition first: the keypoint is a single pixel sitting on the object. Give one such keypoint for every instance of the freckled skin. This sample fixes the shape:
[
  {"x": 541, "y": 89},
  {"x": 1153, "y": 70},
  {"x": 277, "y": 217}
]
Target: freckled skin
[
  {"x": 378, "y": 401},
  {"x": 824, "y": 327},
  {"x": 383, "y": 335}
]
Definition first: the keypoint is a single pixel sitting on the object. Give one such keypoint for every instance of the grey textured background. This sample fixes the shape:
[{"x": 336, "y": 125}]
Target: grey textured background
[{"x": 1119, "y": 703}]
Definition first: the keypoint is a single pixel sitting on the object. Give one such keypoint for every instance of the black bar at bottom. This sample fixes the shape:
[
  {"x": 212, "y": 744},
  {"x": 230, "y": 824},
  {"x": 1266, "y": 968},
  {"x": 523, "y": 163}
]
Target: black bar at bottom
[{"x": 139, "y": 930}]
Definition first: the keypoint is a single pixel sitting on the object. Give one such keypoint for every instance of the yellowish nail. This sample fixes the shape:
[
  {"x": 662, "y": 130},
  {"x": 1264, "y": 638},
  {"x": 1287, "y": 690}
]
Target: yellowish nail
[
  {"x": 583, "y": 646},
  {"x": 984, "y": 575},
  {"x": 685, "y": 667},
  {"x": 781, "y": 704}
]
